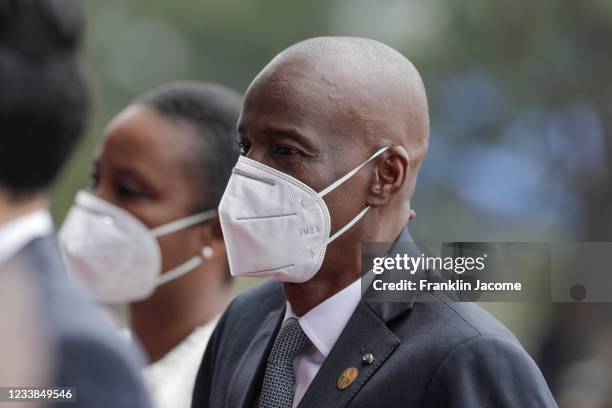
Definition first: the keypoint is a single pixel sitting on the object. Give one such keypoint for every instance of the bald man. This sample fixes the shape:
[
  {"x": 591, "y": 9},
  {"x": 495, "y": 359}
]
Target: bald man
[{"x": 333, "y": 132}]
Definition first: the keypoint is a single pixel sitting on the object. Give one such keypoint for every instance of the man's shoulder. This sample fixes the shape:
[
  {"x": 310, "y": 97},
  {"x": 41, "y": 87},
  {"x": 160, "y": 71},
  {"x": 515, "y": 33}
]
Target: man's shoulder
[
  {"x": 439, "y": 324},
  {"x": 463, "y": 336},
  {"x": 473, "y": 318},
  {"x": 440, "y": 336}
]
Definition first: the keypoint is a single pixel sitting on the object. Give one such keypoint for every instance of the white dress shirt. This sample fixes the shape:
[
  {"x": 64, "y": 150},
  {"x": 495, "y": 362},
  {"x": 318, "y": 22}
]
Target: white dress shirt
[
  {"x": 17, "y": 233},
  {"x": 323, "y": 325},
  {"x": 171, "y": 379}
]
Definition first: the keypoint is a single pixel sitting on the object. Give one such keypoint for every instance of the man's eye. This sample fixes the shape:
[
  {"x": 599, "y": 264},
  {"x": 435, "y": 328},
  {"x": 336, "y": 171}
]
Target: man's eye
[
  {"x": 284, "y": 150},
  {"x": 244, "y": 146}
]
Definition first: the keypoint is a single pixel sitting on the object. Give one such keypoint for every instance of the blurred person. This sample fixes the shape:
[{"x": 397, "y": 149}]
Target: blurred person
[
  {"x": 43, "y": 109},
  {"x": 23, "y": 338},
  {"x": 147, "y": 233},
  {"x": 333, "y": 132}
]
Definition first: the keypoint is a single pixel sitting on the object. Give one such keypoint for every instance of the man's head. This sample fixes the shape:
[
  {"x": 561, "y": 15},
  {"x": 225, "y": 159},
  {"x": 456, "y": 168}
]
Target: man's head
[
  {"x": 325, "y": 105},
  {"x": 43, "y": 97}
]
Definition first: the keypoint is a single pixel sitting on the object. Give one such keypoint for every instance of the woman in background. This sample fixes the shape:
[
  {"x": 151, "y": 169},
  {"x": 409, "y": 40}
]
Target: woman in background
[{"x": 147, "y": 233}]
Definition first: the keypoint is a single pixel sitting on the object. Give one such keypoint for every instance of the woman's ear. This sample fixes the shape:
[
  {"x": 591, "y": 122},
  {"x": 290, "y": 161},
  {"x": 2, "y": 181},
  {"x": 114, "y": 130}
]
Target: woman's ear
[
  {"x": 391, "y": 176},
  {"x": 209, "y": 231},
  {"x": 212, "y": 236},
  {"x": 215, "y": 228}
]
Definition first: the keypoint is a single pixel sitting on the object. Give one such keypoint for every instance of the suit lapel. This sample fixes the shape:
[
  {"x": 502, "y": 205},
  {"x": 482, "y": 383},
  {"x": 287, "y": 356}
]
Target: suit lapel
[
  {"x": 243, "y": 388},
  {"x": 364, "y": 333}
]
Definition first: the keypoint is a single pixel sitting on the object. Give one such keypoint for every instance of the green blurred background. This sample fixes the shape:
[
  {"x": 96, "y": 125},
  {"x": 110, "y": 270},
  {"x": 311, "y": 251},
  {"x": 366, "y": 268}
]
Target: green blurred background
[{"x": 521, "y": 107}]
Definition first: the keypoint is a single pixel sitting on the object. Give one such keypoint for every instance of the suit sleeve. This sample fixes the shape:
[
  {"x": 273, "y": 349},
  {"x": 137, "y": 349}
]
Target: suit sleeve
[
  {"x": 102, "y": 376},
  {"x": 205, "y": 377},
  {"x": 488, "y": 371}
]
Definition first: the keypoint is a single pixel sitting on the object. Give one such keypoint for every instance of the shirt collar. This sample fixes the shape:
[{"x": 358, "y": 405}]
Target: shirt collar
[
  {"x": 324, "y": 323},
  {"x": 17, "y": 233}
]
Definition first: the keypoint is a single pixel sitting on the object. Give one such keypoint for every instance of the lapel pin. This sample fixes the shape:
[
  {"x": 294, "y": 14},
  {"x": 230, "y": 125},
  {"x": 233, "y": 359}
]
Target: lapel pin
[
  {"x": 368, "y": 358},
  {"x": 347, "y": 377}
]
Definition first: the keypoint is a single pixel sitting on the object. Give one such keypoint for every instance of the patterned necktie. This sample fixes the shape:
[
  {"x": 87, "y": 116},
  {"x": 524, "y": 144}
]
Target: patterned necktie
[{"x": 279, "y": 381}]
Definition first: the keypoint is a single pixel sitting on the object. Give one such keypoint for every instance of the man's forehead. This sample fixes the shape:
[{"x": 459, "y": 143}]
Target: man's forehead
[
  {"x": 340, "y": 96},
  {"x": 316, "y": 88},
  {"x": 292, "y": 90},
  {"x": 290, "y": 77}
]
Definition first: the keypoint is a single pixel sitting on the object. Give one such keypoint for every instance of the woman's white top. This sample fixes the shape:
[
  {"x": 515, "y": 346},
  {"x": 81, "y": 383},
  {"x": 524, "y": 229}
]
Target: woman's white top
[{"x": 171, "y": 379}]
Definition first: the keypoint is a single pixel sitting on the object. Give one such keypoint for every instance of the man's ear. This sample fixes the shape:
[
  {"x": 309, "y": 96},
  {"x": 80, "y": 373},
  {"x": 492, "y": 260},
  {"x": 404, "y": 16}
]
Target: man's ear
[{"x": 392, "y": 172}]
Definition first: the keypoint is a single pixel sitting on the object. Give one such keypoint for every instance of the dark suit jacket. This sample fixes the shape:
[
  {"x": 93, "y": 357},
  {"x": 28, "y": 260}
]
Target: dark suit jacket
[
  {"x": 87, "y": 353},
  {"x": 429, "y": 352}
]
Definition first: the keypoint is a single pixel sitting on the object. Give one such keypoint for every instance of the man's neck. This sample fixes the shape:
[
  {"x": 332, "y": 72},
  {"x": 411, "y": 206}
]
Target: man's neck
[
  {"x": 340, "y": 268},
  {"x": 12, "y": 209},
  {"x": 303, "y": 297}
]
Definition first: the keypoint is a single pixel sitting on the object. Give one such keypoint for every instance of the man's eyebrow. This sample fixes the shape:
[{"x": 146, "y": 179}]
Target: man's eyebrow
[{"x": 294, "y": 134}]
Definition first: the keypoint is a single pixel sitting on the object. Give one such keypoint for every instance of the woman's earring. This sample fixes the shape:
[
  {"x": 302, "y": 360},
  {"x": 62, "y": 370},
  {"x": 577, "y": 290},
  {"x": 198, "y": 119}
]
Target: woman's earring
[{"x": 207, "y": 252}]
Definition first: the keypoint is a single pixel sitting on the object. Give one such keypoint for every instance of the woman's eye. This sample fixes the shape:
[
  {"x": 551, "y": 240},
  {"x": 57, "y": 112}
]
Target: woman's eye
[
  {"x": 284, "y": 150},
  {"x": 94, "y": 181},
  {"x": 128, "y": 192},
  {"x": 244, "y": 146}
]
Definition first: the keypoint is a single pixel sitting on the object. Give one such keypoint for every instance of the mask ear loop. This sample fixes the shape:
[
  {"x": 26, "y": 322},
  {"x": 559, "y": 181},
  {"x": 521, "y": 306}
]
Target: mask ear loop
[
  {"x": 183, "y": 223},
  {"x": 348, "y": 225},
  {"x": 178, "y": 225},
  {"x": 342, "y": 180},
  {"x": 191, "y": 264},
  {"x": 350, "y": 174},
  {"x": 181, "y": 270}
]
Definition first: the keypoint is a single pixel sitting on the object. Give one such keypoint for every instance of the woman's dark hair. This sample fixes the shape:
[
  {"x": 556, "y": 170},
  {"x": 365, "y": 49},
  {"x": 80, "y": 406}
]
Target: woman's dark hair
[
  {"x": 213, "y": 111},
  {"x": 43, "y": 96}
]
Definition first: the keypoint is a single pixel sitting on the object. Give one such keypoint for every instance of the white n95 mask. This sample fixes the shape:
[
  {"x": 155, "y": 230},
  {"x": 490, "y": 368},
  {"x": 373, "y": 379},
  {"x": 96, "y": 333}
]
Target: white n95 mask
[
  {"x": 115, "y": 254},
  {"x": 276, "y": 226}
]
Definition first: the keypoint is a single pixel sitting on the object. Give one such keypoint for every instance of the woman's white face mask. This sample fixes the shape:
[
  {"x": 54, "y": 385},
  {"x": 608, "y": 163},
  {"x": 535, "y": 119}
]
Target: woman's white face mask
[{"x": 115, "y": 254}]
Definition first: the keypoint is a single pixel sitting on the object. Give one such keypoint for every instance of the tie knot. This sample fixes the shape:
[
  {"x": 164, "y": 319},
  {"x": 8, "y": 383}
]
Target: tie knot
[{"x": 290, "y": 341}]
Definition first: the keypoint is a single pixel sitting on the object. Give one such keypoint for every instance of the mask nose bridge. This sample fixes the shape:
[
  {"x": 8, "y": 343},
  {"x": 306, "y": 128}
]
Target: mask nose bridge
[{"x": 247, "y": 174}]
